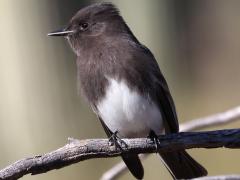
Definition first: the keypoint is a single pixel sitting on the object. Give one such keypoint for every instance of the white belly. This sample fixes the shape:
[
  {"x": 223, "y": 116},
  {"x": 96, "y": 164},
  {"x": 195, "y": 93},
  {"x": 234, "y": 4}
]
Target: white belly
[{"x": 129, "y": 113}]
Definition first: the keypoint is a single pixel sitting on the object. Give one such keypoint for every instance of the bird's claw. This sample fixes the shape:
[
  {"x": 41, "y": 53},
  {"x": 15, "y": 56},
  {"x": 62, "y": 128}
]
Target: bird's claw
[
  {"x": 152, "y": 135},
  {"x": 116, "y": 140}
]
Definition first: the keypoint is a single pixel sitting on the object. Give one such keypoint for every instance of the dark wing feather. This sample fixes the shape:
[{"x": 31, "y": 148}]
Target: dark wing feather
[
  {"x": 106, "y": 129},
  {"x": 166, "y": 104},
  {"x": 160, "y": 92},
  {"x": 180, "y": 164}
]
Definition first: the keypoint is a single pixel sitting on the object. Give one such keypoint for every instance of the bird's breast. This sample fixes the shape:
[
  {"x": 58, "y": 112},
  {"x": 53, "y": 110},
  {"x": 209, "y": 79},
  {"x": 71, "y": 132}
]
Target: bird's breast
[{"x": 127, "y": 111}]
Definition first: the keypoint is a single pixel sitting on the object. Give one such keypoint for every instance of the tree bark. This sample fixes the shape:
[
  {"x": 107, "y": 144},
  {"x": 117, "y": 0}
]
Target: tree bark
[{"x": 79, "y": 150}]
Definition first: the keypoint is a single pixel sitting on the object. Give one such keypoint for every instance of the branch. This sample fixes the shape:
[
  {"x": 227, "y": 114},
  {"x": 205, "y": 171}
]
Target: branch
[
  {"x": 222, "y": 177},
  {"x": 209, "y": 121},
  {"x": 217, "y": 119},
  {"x": 77, "y": 151}
]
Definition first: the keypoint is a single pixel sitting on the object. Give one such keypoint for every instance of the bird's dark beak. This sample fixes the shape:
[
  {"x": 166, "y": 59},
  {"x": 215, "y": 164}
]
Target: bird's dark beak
[{"x": 62, "y": 32}]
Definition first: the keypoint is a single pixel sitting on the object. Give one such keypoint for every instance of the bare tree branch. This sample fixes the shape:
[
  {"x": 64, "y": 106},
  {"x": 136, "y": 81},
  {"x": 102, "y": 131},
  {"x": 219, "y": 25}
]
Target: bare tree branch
[
  {"x": 222, "y": 177},
  {"x": 77, "y": 151},
  {"x": 228, "y": 116},
  {"x": 217, "y": 119}
]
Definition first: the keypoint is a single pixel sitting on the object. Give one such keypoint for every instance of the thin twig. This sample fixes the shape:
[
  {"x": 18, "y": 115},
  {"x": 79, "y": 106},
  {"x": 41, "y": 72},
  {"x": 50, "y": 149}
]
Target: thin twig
[
  {"x": 228, "y": 116},
  {"x": 222, "y": 177},
  {"x": 77, "y": 151},
  {"x": 217, "y": 119}
]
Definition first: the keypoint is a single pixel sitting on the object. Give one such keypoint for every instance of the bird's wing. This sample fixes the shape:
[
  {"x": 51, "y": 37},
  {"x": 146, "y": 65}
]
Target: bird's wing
[
  {"x": 106, "y": 129},
  {"x": 166, "y": 104},
  {"x": 161, "y": 93}
]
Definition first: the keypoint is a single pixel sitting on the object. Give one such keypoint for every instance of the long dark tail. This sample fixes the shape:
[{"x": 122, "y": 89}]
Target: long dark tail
[
  {"x": 182, "y": 166},
  {"x": 134, "y": 165}
]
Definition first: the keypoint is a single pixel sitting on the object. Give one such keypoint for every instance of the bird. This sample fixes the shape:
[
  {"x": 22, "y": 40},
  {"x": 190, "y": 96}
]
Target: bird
[{"x": 121, "y": 80}]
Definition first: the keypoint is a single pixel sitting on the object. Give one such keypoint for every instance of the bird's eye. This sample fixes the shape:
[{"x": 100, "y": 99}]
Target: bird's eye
[{"x": 83, "y": 26}]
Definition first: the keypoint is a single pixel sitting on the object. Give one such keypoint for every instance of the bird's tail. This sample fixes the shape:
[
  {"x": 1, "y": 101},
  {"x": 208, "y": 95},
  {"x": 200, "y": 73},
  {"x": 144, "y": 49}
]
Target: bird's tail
[
  {"x": 134, "y": 165},
  {"x": 182, "y": 166}
]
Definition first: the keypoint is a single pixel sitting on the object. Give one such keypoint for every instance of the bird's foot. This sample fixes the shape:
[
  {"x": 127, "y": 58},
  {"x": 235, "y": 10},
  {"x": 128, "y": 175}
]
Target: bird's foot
[
  {"x": 117, "y": 141},
  {"x": 152, "y": 135}
]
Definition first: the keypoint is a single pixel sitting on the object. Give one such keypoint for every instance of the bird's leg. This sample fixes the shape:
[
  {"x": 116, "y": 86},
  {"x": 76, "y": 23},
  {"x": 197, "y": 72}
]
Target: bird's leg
[
  {"x": 152, "y": 135},
  {"x": 116, "y": 140}
]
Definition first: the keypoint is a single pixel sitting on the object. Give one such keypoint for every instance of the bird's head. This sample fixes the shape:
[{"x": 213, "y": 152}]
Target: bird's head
[{"x": 91, "y": 25}]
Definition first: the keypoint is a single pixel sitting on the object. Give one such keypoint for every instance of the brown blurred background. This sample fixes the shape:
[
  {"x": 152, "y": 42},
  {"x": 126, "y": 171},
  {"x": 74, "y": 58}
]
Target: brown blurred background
[{"x": 196, "y": 43}]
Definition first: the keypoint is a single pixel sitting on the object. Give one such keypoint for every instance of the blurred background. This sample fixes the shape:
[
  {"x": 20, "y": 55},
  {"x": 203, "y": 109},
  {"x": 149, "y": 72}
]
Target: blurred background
[{"x": 196, "y": 43}]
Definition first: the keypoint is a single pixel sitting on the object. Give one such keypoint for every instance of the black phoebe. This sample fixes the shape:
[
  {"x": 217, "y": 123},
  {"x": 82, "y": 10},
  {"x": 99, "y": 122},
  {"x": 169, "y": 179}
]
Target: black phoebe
[{"x": 124, "y": 85}]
